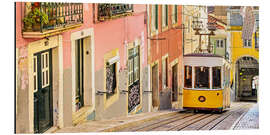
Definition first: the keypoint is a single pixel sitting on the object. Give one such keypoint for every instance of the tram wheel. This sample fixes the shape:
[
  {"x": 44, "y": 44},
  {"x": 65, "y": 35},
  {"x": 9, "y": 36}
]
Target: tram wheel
[
  {"x": 220, "y": 111},
  {"x": 195, "y": 111}
]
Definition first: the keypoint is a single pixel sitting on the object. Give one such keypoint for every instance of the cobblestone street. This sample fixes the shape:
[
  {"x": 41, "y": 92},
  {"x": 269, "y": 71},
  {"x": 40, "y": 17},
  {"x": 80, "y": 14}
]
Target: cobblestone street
[
  {"x": 241, "y": 115},
  {"x": 250, "y": 120}
]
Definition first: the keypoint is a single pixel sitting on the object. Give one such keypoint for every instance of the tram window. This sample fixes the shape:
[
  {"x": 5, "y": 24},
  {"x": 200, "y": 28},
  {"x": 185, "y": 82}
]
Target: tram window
[
  {"x": 216, "y": 77},
  {"x": 188, "y": 76},
  {"x": 202, "y": 77}
]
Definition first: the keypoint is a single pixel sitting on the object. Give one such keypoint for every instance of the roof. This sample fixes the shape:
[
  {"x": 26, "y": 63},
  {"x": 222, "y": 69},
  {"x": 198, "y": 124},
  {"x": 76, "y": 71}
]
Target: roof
[{"x": 202, "y": 55}]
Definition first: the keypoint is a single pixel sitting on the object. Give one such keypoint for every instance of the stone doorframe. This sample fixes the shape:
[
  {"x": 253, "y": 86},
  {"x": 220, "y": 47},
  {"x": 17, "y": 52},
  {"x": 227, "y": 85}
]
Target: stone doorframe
[
  {"x": 89, "y": 93},
  {"x": 54, "y": 43}
]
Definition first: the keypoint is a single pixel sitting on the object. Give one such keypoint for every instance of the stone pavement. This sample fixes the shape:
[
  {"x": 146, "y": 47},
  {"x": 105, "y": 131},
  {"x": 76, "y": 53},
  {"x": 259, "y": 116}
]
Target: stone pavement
[
  {"x": 116, "y": 123},
  {"x": 250, "y": 120}
]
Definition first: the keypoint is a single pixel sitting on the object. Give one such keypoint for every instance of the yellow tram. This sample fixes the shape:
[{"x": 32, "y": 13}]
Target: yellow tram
[{"x": 206, "y": 82}]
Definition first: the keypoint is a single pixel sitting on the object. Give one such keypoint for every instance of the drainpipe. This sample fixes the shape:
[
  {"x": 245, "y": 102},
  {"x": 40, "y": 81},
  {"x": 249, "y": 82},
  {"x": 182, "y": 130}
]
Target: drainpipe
[{"x": 148, "y": 58}]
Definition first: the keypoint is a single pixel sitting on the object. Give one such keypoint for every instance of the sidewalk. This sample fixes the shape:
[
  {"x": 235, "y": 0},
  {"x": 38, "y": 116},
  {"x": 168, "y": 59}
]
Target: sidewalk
[
  {"x": 250, "y": 120},
  {"x": 116, "y": 123}
]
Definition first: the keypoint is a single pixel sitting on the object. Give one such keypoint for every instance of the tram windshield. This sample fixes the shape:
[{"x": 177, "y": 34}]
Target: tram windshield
[
  {"x": 202, "y": 77},
  {"x": 216, "y": 77}
]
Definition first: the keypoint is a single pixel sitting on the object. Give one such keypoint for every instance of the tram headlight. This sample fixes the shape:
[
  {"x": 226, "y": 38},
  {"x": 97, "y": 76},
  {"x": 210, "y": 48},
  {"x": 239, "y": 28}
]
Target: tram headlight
[{"x": 201, "y": 98}]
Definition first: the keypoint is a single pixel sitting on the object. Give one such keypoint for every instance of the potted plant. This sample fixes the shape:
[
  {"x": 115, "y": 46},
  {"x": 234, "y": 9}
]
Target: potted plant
[
  {"x": 28, "y": 22},
  {"x": 34, "y": 19}
]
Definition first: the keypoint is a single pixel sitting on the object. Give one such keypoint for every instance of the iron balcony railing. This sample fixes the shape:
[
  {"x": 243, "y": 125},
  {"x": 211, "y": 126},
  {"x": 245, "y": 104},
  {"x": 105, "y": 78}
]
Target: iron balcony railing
[
  {"x": 58, "y": 15},
  {"x": 110, "y": 11}
]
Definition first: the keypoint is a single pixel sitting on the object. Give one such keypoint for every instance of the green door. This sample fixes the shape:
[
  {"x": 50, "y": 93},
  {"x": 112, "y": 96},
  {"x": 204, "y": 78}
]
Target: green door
[{"x": 42, "y": 74}]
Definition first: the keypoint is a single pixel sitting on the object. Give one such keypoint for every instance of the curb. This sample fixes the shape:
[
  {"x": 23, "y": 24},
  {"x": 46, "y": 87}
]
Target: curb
[{"x": 132, "y": 123}]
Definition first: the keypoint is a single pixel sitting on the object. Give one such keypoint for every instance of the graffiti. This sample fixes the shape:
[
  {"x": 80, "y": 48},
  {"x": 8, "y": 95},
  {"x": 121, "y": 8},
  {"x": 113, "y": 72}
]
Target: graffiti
[{"x": 133, "y": 96}]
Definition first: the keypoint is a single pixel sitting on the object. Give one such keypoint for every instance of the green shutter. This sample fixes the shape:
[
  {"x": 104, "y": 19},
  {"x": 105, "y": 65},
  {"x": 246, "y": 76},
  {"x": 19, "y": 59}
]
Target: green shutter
[
  {"x": 156, "y": 21},
  {"x": 166, "y": 8},
  {"x": 176, "y": 13}
]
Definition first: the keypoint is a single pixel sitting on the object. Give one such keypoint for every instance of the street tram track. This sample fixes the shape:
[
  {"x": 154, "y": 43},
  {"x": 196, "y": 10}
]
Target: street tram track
[
  {"x": 189, "y": 121},
  {"x": 212, "y": 124},
  {"x": 156, "y": 123},
  {"x": 164, "y": 122}
]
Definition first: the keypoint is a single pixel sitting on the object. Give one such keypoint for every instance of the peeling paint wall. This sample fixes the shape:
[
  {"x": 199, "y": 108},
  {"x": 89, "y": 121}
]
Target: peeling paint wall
[{"x": 22, "y": 118}]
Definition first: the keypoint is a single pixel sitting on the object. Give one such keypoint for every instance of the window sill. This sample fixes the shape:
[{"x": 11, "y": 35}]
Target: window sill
[
  {"x": 154, "y": 32},
  {"x": 175, "y": 24},
  {"x": 164, "y": 28}
]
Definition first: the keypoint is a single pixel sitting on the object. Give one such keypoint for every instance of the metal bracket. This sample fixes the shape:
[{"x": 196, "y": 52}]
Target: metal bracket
[
  {"x": 124, "y": 92},
  {"x": 148, "y": 91},
  {"x": 101, "y": 92}
]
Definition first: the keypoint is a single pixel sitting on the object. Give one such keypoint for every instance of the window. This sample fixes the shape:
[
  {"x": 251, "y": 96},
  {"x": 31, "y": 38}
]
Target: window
[
  {"x": 133, "y": 65},
  {"x": 164, "y": 15},
  {"x": 216, "y": 77},
  {"x": 247, "y": 42},
  {"x": 202, "y": 77},
  {"x": 134, "y": 78},
  {"x": 256, "y": 40},
  {"x": 110, "y": 79},
  {"x": 174, "y": 14},
  {"x": 45, "y": 69},
  {"x": 188, "y": 76},
  {"x": 220, "y": 43},
  {"x": 165, "y": 72},
  {"x": 154, "y": 17}
]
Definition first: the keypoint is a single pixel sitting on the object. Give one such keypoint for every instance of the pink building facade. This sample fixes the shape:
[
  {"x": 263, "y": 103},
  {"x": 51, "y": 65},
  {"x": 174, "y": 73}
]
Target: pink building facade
[
  {"x": 120, "y": 59},
  {"x": 54, "y": 66}
]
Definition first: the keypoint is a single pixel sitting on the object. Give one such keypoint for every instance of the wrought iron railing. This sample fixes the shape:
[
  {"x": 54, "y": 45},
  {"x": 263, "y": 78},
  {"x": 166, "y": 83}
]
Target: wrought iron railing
[
  {"x": 54, "y": 15},
  {"x": 133, "y": 96},
  {"x": 109, "y": 11}
]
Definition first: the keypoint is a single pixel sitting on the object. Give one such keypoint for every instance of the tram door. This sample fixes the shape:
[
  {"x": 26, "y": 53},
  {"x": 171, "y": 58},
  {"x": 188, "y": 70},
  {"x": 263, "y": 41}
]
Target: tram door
[
  {"x": 79, "y": 74},
  {"x": 155, "y": 95},
  {"x": 42, "y": 74},
  {"x": 174, "y": 83}
]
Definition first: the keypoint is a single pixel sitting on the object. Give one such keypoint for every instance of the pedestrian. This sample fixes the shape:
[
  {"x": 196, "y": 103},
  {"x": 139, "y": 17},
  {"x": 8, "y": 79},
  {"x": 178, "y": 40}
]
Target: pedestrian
[{"x": 253, "y": 87}]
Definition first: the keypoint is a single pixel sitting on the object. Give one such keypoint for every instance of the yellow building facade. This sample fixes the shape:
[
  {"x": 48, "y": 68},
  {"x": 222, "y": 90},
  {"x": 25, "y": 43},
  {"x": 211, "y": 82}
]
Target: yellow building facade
[{"x": 244, "y": 56}]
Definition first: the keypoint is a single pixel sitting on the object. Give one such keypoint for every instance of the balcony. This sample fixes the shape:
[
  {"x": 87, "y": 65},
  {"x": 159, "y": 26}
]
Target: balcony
[
  {"x": 44, "y": 19},
  {"x": 112, "y": 11}
]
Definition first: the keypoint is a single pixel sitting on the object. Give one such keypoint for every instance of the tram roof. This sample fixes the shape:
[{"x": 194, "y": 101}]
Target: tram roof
[
  {"x": 203, "y": 59},
  {"x": 202, "y": 55}
]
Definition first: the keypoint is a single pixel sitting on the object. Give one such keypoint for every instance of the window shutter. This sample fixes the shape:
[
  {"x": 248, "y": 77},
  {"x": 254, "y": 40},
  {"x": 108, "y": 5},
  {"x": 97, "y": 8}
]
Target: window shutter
[{"x": 156, "y": 17}]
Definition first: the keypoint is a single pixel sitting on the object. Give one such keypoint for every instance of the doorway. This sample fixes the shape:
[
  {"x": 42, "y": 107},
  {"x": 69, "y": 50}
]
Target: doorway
[
  {"x": 42, "y": 73},
  {"x": 79, "y": 94},
  {"x": 174, "y": 83},
  {"x": 155, "y": 95}
]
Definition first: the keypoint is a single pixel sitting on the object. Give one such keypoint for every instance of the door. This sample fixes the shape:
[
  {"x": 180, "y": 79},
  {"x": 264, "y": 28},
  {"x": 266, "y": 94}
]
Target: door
[
  {"x": 174, "y": 83},
  {"x": 155, "y": 95},
  {"x": 79, "y": 99},
  {"x": 42, "y": 75}
]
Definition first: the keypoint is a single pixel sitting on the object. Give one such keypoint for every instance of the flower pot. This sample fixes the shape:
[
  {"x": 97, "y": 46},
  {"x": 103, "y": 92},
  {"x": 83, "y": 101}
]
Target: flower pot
[
  {"x": 51, "y": 24},
  {"x": 28, "y": 28},
  {"x": 36, "y": 27}
]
